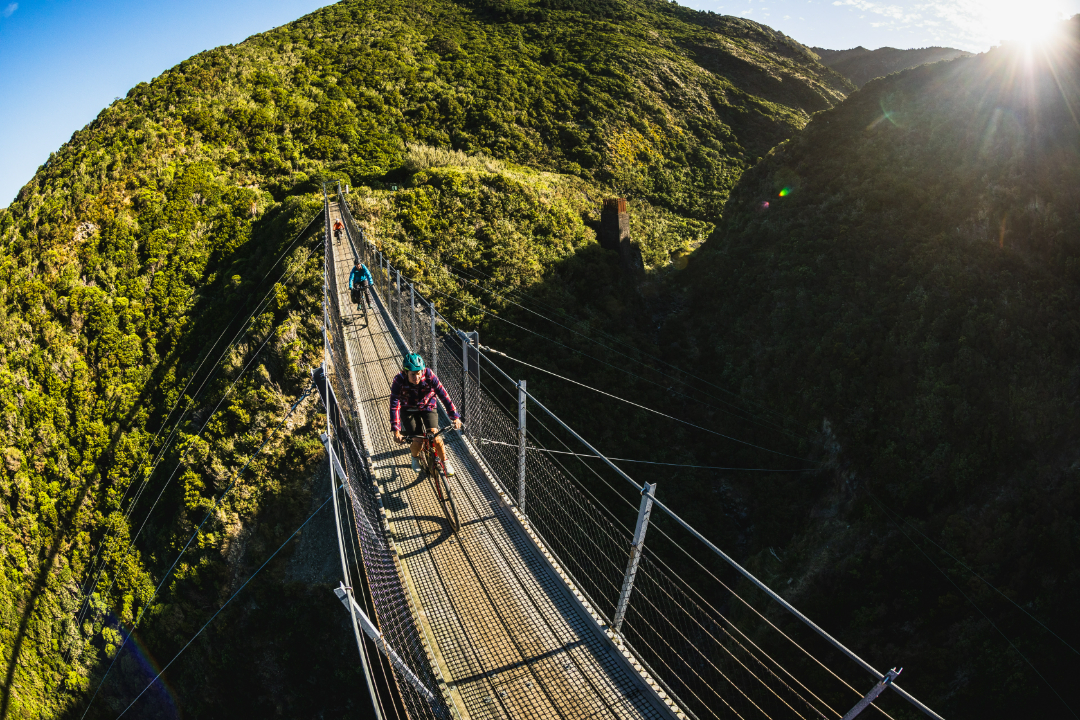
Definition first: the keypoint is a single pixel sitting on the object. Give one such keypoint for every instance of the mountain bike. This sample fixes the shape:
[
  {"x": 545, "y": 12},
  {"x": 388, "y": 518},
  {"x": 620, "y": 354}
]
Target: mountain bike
[
  {"x": 435, "y": 469},
  {"x": 358, "y": 297}
]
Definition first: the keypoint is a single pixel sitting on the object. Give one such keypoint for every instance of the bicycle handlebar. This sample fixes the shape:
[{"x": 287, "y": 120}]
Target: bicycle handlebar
[{"x": 435, "y": 435}]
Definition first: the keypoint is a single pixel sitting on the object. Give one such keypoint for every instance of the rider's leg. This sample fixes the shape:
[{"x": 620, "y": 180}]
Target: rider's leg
[{"x": 411, "y": 425}]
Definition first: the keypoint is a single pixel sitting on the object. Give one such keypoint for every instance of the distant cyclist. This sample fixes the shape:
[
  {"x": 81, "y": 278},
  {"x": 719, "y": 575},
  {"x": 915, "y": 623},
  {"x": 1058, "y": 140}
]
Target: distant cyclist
[
  {"x": 360, "y": 283},
  {"x": 338, "y": 227},
  {"x": 412, "y": 407}
]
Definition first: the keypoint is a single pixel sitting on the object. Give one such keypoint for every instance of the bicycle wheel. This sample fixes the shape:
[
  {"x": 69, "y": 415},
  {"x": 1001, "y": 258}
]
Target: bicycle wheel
[
  {"x": 432, "y": 471},
  {"x": 448, "y": 503}
]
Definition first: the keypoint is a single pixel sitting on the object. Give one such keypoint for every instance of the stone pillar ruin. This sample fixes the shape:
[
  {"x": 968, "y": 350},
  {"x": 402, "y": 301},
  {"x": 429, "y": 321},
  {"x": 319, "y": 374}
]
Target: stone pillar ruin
[{"x": 614, "y": 234}]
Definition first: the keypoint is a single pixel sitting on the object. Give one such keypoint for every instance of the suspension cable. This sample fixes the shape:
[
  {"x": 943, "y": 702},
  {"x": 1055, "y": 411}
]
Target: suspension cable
[
  {"x": 650, "y": 462},
  {"x": 198, "y": 529},
  {"x": 522, "y": 296},
  {"x": 218, "y": 611},
  {"x": 749, "y": 417},
  {"x": 96, "y": 571},
  {"x": 637, "y": 405}
]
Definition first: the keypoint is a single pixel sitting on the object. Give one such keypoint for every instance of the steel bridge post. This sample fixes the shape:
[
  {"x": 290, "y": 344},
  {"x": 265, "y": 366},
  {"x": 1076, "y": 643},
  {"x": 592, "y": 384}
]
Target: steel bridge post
[
  {"x": 434, "y": 359},
  {"x": 521, "y": 445},
  {"x": 412, "y": 313},
  {"x": 397, "y": 294},
  {"x": 872, "y": 695},
  {"x": 464, "y": 377},
  {"x": 647, "y": 497}
]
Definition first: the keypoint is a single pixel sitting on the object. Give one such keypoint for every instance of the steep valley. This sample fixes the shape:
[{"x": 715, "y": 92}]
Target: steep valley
[{"x": 881, "y": 288}]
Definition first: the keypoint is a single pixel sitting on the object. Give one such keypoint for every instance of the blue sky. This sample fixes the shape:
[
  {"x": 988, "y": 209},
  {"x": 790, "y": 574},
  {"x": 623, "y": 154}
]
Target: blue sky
[{"x": 62, "y": 61}]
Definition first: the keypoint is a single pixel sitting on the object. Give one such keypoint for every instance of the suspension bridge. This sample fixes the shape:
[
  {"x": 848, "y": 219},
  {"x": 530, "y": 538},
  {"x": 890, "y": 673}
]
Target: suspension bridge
[{"x": 548, "y": 602}]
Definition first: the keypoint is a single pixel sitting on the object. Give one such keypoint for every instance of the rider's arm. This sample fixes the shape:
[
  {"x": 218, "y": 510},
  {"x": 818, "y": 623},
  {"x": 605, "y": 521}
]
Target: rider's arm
[
  {"x": 395, "y": 404},
  {"x": 352, "y": 277},
  {"x": 451, "y": 410}
]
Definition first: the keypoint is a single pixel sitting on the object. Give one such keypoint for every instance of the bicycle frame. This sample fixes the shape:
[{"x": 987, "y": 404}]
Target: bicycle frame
[{"x": 435, "y": 468}]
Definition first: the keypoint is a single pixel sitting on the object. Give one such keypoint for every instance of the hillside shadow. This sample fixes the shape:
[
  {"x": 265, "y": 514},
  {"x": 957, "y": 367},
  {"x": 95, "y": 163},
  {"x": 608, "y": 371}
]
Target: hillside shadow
[{"x": 260, "y": 257}]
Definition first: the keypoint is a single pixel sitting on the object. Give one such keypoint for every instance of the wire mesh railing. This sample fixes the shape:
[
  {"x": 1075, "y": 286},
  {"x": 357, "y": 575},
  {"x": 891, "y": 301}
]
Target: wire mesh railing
[
  {"x": 713, "y": 661},
  {"x": 388, "y": 595}
]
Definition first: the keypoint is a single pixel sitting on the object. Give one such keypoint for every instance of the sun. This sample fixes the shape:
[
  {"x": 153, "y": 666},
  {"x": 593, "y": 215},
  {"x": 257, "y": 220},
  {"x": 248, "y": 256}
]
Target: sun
[{"x": 1029, "y": 22}]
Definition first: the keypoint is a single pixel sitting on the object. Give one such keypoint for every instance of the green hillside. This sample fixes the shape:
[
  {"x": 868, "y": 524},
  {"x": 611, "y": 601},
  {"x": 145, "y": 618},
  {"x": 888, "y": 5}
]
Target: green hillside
[
  {"x": 902, "y": 278},
  {"x": 186, "y": 205}
]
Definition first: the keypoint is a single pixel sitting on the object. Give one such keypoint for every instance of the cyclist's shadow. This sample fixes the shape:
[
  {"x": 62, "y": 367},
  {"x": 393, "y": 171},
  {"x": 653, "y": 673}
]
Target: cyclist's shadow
[{"x": 395, "y": 501}]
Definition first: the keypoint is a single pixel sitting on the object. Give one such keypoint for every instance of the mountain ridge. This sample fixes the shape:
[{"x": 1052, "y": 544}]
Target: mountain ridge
[{"x": 861, "y": 65}]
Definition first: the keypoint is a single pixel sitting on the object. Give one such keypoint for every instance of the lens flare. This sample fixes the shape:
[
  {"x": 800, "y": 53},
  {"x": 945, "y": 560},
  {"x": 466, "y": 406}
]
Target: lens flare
[
  {"x": 785, "y": 192},
  {"x": 145, "y": 666}
]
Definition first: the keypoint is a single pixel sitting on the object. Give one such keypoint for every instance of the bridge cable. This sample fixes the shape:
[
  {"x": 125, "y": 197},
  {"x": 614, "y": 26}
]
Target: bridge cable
[
  {"x": 630, "y": 505},
  {"x": 675, "y": 543},
  {"x": 369, "y": 605},
  {"x": 974, "y": 605},
  {"x": 225, "y": 492},
  {"x": 88, "y": 591},
  {"x": 218, "y": 611},
  {"x": 637, "y": 405},
  {"x": 522, "y": 296},
  {"x": 180, "y": 463},
  {"x": 648, "y": 462},
  {"x": 985, "y": 581},
  {"x": 547, "y": 339},
  {"x": 747, "y": 416},
  {"x": 617, "y": 522}
]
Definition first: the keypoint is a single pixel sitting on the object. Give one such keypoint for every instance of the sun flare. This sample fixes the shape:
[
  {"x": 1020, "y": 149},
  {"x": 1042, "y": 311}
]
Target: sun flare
[{"x": 1030, "y": 22}]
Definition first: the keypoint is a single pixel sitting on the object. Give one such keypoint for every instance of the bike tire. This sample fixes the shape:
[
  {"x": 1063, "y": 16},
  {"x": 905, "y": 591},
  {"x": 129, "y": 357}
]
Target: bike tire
[
  {"x": 432, "y": 471},
  {"x": 449, "y": 506}
]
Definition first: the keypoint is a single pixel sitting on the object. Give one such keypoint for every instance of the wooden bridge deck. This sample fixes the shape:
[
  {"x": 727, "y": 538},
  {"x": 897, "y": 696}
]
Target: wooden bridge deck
[{"x": 510, "y": 638}]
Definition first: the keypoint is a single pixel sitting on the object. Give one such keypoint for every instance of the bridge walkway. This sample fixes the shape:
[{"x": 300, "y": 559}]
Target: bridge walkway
[{"x": 509, "y": 638}]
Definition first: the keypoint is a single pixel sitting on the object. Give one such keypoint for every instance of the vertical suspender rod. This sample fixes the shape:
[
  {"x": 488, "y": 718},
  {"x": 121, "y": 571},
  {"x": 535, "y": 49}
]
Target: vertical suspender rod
[
  {"x": 521, "y": 445},
  {"x": 644, "y": 511}
]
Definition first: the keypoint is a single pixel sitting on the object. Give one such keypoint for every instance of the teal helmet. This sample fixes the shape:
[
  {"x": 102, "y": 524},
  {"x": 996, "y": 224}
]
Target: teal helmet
[{"x": 413, "y": 363}]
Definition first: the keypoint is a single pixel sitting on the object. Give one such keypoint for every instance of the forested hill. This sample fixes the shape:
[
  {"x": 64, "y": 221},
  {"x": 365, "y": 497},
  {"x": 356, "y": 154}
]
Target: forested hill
[
  {"x": 860, "y": 65},
  {"x": 138, "y": 251},
  {"x": 903, "y": 277}
]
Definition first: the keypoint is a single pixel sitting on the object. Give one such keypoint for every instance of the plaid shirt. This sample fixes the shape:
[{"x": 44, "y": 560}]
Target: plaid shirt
[{"x": 421, "y": 396}]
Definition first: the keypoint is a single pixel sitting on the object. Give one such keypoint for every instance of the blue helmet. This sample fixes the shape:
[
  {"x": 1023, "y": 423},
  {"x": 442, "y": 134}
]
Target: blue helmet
[{"x": 413, "y": 363}]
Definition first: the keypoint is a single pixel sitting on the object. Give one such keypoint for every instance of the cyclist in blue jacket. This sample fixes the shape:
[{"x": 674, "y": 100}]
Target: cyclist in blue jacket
[{"x": 360, "y": 282}]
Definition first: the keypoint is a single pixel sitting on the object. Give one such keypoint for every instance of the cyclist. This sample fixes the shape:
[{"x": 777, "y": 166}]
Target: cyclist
[
  {"x": 338, "y": 227},
  {"x": 360, "y": 283},
  {"x": 412, "y": 406}
]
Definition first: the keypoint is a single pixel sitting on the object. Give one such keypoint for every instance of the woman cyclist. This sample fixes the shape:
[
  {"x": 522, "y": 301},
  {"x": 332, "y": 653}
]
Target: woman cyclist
[{"x": 412, "y": 407}]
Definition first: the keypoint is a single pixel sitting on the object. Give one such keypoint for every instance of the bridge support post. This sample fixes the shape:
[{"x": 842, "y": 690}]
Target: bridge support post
[
  {"x": 872, "y": 695},
  {"x": 412, "y": 313},
  {"x": 397, "y": 294},
  {"x": 521, "y": 445},
  {"x": 434, "y": 359},
  {"x": 647, "y": 496}
]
